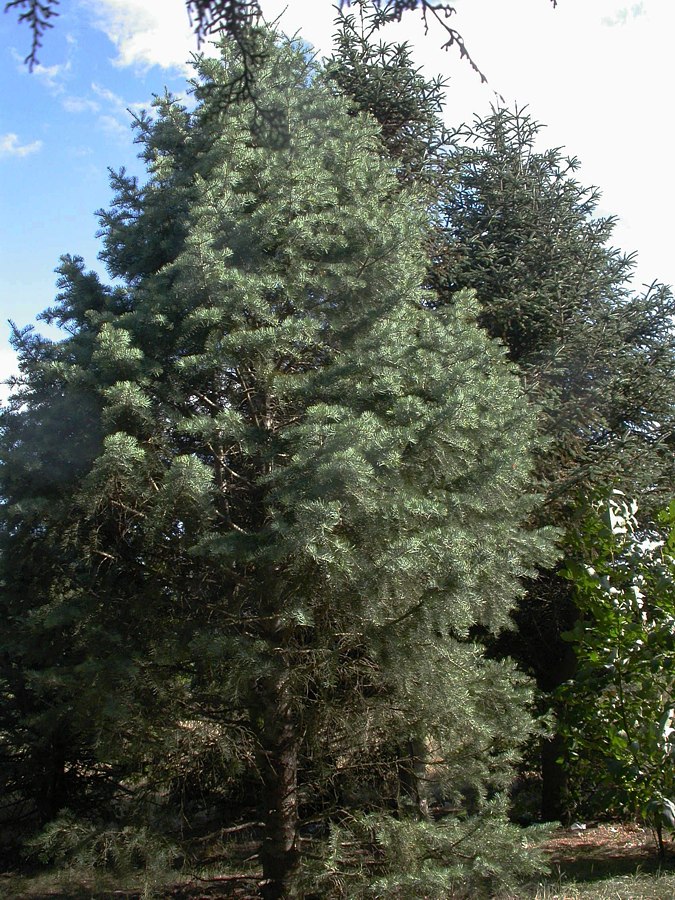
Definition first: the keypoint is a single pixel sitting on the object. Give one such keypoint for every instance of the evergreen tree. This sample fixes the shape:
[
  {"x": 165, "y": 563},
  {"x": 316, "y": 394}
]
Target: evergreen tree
[
  {"x": 53, "y": 645},
  {"x": 597, "y": 357},
  {"x": 381, "y": 79},
  {"x": 289, "y": 488},
  {"x": 523, "y": 232}
]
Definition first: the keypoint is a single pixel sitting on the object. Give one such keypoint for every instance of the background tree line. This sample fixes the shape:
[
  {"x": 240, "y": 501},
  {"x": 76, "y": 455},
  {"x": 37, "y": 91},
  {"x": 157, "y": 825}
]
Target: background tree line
[
  {"x": 270, "y": 505},
  {"x": 595, "y": 356}
]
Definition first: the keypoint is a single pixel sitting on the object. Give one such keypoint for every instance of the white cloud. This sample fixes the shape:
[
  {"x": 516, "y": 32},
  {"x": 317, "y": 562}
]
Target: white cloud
[
  {"x": 109, "y": 96},
  {"x": 51, "y": 76},
  {"x": 114, "y": 101},
  {"x": 113, "y": 127},
  {"x": 54, "y": 78},
  {"x": 159, "y": 33},
  {"x": 79, "y": 105},
  {"x": 117, "y": 103},
  {"x": 117, "y": 121},
  {"x": 146, "y": 32},
  {"x": 10, "y": 146}
]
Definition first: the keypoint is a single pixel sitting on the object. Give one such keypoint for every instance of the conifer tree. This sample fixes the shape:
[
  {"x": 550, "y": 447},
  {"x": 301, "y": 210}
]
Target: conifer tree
[
  {"x": 297, "y": 490},
  {"x": 598, "y": 356},
  {"x": 513, "y": 223},
  {"x": 50, "y": 435},
  {"x": 381, "y": 78}
]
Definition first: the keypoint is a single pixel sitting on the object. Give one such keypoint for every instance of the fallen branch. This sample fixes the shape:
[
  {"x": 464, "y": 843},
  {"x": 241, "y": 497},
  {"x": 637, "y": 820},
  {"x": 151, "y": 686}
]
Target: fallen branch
[{"x": 226, "y": 878}]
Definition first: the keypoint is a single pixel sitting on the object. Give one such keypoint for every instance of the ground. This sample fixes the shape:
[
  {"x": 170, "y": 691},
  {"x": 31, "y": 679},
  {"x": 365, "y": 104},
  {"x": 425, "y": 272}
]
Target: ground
[
  {"x": 607, "y": 861},
  {"x": 603, "y": 849}
]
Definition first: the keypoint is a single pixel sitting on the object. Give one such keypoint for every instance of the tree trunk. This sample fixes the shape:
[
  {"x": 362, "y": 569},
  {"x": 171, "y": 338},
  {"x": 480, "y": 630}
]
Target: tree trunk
[
  {"x": 542, "y": 616},
  {"x": 49, "y": 779},
  {"x": 412, "y": 778},
  {"x": 554, "y": 806},
  {"x": 278, "y": 763}
]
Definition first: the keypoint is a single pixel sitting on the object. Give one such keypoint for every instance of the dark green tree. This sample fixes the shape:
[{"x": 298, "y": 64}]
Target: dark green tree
[
  {"x": 597, "y": 356},
  {"x": 382, "y": 80},
  {"x": 523, "y": 232},
  {"x": 51, "y": 433},
  {"x": 301, "y": 483}
]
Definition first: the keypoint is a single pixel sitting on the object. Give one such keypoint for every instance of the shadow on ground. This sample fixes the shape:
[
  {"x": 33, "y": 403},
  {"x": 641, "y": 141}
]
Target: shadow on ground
[{"x": 602, "y": 851}]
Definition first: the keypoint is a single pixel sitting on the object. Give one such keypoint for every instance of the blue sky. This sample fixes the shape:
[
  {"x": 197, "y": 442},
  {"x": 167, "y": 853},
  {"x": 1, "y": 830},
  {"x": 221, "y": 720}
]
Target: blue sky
[
  {"x": 61, "y": 126},
  {"x": 597, "y": 72}
]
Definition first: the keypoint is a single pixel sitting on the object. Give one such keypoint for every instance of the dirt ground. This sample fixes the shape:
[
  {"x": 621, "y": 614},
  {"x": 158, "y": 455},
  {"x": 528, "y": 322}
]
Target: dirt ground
[
  {"x": 604, "y": 849},
  {"x": 596, "y": 852}
]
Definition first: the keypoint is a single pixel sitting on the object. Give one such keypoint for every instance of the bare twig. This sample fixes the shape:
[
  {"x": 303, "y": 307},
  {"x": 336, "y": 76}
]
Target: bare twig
[{"x": 36, "y": 13}]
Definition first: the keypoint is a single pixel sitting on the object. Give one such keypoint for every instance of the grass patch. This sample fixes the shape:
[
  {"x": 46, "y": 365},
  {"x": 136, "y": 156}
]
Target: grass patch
[
  {"x": 85, "y": 884},
  {"x": 82, "y": 885},
  {"x": 645, "y": 886}
]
